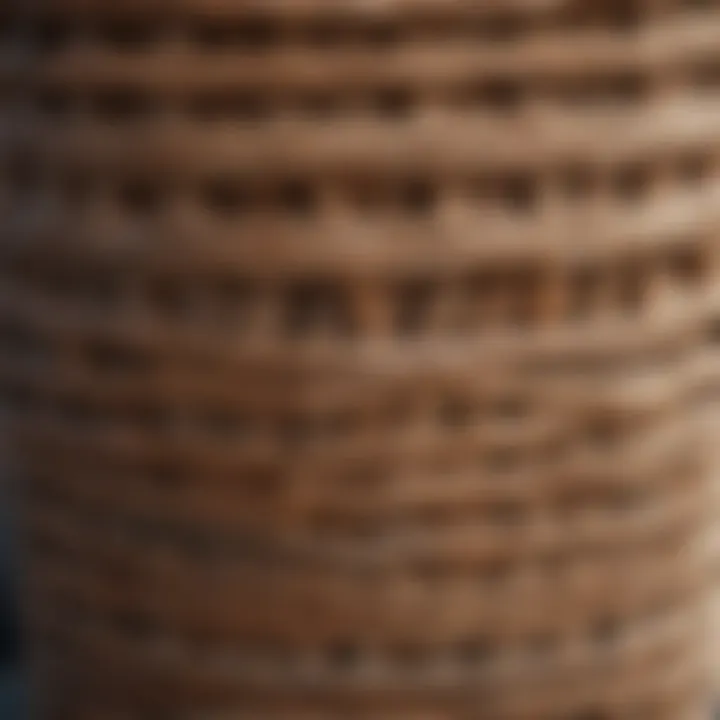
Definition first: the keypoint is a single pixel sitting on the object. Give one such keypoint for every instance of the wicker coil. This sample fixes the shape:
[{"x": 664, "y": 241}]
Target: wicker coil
[{"x": 352, "y": 355}]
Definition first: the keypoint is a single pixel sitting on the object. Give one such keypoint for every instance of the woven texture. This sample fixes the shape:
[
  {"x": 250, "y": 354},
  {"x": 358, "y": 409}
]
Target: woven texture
[{"x": 352, "y": 355}]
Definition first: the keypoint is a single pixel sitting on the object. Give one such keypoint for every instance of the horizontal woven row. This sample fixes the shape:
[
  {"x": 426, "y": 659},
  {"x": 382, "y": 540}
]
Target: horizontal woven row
[
  {"x": 289, "y": 10},
  {"x": 447, "y": 144},
  {"x": 621, "y": 69},
  {"x": 334, "y": 318},
  {"x": 188, "y": 584},
  {"x": 640, "y": 676}
]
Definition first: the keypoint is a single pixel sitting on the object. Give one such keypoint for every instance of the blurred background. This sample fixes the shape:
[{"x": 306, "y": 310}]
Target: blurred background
[{"x": 11, "y": 689}]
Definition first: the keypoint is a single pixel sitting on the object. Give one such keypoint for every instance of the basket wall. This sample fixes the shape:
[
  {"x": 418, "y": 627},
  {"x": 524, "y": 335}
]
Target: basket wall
[{"x": 353, "y": 355}]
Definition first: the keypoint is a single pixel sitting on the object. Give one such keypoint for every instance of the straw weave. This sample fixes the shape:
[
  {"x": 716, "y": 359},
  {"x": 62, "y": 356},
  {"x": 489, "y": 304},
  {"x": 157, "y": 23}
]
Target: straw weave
[{"x": 352, "y": 355}]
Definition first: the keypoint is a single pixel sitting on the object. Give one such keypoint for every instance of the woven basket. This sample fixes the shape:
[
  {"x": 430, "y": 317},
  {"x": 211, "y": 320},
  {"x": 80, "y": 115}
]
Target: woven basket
[{"x": 351, "y": 355}]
